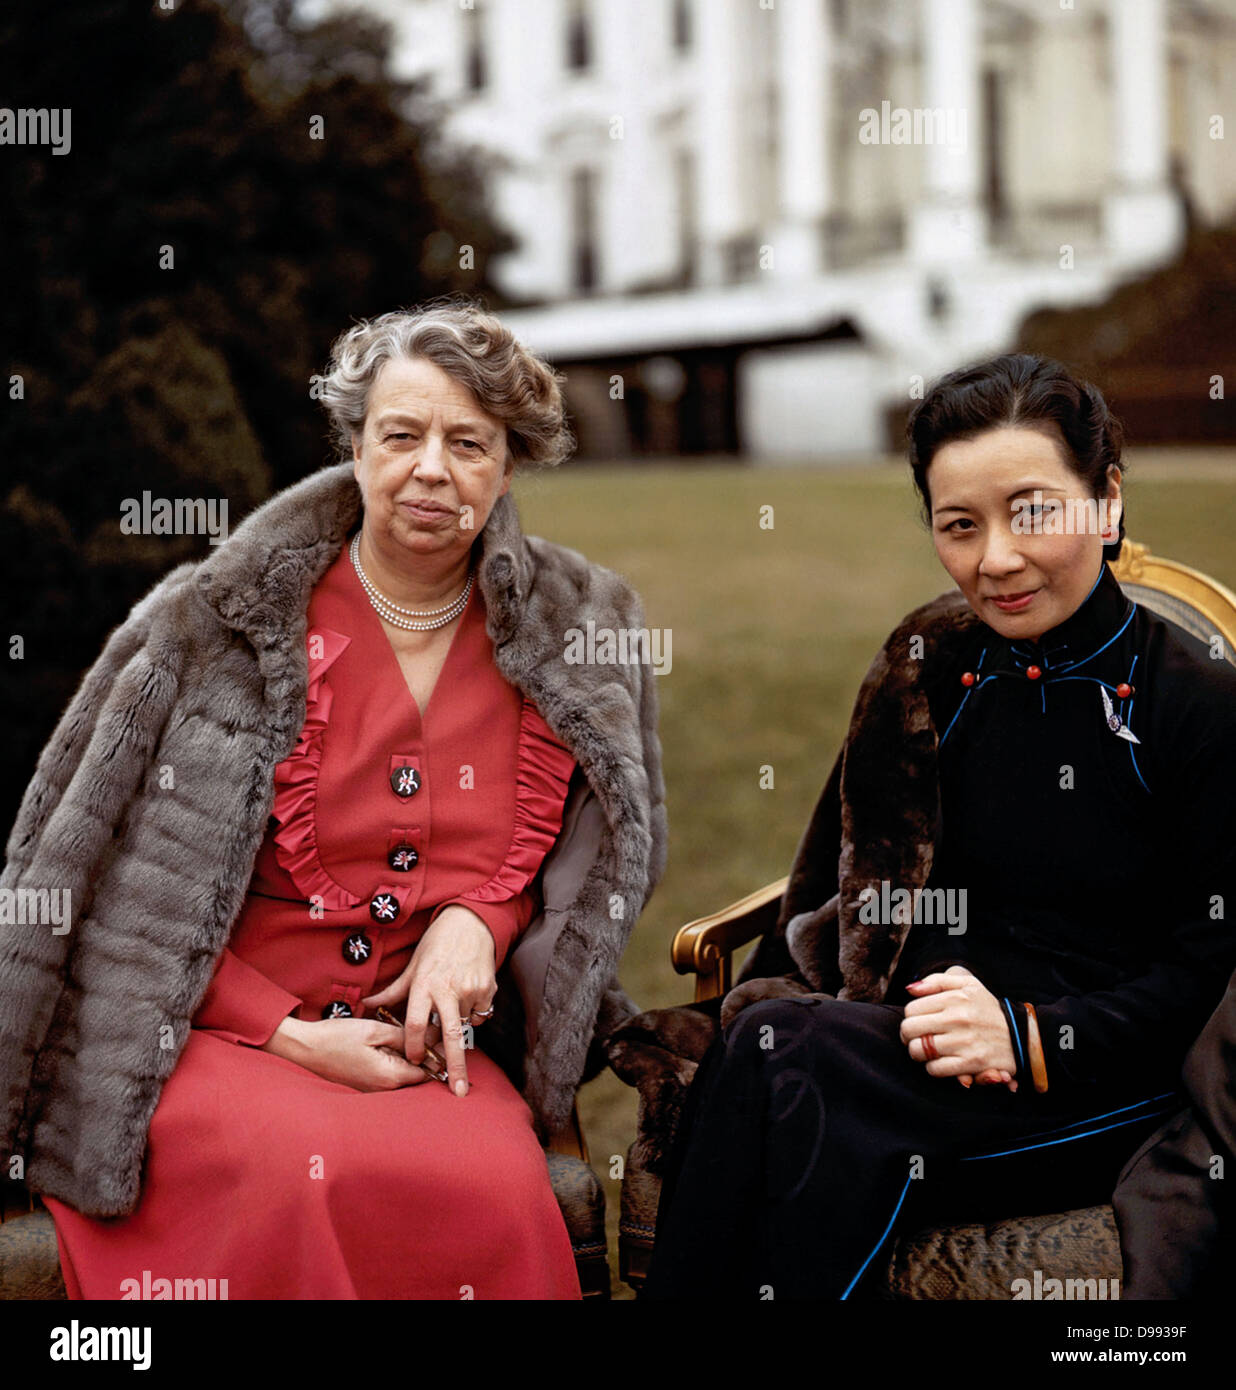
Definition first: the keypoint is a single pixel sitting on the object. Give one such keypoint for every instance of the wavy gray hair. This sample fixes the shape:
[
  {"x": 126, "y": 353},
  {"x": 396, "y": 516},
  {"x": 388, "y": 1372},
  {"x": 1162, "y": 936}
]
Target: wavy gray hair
[{"x": 472, "y": 346}]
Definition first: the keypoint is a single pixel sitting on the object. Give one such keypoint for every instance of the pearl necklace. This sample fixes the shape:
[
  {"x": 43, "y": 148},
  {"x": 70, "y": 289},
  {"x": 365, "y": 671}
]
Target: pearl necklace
[{"x": 410, "y": 619}]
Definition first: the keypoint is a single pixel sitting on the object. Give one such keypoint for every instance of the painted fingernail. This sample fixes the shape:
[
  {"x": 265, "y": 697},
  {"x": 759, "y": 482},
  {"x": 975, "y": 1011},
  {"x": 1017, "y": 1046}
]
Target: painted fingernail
[{"x": 965, "y": 1081}]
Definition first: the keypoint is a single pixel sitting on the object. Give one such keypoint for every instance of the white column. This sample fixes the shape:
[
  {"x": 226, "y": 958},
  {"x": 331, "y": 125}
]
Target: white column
[
  {"x": 523, "y": 41},
  {"x": 804, "y": 100},
  {"x": 949, "y": 225},
  {"x": 717, "y": 114},
  {"x": 1142, "y": 215},
  {"x": 637, "y": 231}
]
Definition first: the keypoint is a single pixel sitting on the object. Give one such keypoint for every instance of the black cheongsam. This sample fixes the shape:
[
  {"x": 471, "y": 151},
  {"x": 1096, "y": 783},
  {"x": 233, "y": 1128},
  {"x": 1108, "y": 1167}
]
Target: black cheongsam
[{"x": 1088, "y": 860}]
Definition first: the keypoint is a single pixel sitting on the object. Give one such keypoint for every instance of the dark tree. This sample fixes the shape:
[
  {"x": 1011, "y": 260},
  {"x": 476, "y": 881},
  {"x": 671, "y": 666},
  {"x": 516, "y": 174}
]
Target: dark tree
[{"x": 173, "y": 282}]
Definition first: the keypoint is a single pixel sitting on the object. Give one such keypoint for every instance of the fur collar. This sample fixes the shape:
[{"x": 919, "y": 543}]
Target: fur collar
[
  {"x": 260, "y": 579},
  {"x": 176, "y": 684},
  {"x": 882, "y": 804}
]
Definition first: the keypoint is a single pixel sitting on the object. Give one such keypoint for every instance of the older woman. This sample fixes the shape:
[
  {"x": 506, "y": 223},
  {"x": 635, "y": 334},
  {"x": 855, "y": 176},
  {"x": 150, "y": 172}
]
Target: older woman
[
  {"x": 316, "y": 793},
  {"x": 1001, "y": 923}
]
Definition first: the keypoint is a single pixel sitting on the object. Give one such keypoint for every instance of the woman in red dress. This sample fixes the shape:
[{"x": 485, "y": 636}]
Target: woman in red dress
[{"x": 302, "y": 1148}]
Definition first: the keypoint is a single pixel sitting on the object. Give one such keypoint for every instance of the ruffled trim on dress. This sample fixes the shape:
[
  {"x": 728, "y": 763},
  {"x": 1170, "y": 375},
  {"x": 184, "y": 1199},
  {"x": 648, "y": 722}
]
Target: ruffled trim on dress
[
  {"x": 542, "y": 775},
  {"x": 296, "y": 785}
]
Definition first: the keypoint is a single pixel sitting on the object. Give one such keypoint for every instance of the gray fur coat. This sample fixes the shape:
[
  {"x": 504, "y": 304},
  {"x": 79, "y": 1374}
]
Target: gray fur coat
[{"x": 151, "y": 800}]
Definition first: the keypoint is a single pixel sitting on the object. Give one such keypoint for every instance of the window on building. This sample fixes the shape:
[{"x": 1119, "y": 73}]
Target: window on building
[
  {"x": 583, "y": 230},
  {"x": 688, "y": 235},
  {"x": 578, "y": 36},
  {"x": 740, "y": 259},
  {"x": 994, "y": 116},
  {"x": 681, "y": 25},
  {"x": 475, "y": 75}
]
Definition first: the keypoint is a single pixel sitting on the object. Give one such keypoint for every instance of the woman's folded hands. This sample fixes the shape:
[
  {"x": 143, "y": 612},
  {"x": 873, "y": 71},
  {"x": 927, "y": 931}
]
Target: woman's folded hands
[
  {"x": 358, "y": 1052},
  {"x": 450, "y": 975},
  {"x": 956, "y": 1027}
]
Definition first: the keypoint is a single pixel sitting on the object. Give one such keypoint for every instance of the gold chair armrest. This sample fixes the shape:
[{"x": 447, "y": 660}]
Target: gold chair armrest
[{"x": 704, "y": 948}]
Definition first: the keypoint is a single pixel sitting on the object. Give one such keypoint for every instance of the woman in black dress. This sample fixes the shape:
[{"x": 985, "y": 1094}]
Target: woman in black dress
[{"x": 1026, "y": 1045}]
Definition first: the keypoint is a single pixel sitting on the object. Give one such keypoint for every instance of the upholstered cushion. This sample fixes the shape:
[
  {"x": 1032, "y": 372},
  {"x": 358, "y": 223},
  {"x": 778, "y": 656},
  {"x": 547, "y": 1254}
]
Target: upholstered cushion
[
  {"x": 581, "y": 1199},
  {"x": 29, "y": 1259},
  {"x": 637, "y": 1221},
  {"x": 987, "y": 1261}
]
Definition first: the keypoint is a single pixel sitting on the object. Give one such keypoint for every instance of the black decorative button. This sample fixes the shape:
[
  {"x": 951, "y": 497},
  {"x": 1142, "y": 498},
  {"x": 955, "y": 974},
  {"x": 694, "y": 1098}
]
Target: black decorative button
[
  {"x": 405, "y": 781},
  {"x": 403, "y": 858},
  {"x": 357, "y": 948},
  {"x": 337, "y": 1008},
  {"x": 384, "y": 907}
]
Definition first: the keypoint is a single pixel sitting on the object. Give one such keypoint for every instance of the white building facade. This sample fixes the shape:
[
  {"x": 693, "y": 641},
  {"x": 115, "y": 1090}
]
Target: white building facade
[{"x": 827, "y": 201}]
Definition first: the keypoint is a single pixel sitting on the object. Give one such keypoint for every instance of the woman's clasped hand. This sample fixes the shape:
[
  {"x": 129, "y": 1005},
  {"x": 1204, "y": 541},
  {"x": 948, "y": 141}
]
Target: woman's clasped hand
[
  {"x": 955, "y": 1025},
  {"x": 449, "y": 985},
  {"x": 451, "y": 975}
]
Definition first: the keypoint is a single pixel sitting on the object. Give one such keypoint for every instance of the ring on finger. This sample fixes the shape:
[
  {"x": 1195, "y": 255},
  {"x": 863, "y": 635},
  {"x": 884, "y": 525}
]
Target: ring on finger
[{"x": 929, "y": 1047}]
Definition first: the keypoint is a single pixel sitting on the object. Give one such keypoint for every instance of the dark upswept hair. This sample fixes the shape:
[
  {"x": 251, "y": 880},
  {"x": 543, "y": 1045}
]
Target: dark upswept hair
[{"x": 1019, "y": 389}]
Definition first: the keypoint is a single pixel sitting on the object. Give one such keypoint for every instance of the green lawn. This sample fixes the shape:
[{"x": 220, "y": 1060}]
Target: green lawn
[{"x": 772, "y": 631}]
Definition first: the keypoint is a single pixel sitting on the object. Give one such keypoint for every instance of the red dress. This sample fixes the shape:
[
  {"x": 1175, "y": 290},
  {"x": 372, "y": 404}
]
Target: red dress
[{"x": 258, "y": 1171}]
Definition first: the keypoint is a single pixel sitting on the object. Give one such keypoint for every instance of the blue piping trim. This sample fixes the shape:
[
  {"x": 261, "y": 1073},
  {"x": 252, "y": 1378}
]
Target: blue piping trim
[
  {"x": 1132, "y": 754},
  {"x": 962, "y": 706},
  {"x": 1097, "y": 577},
  {"x": 953, "y": 721},
  {"x": 901, "y": 1200},
  {"x": 883, "y": 1238},
  {"x": 1125, "y": 715},
  {"x": 1021, "y": 1057},
  {"x": 1128, "y": 719},
  {"x": 1026, "y": 657},
  {"x": 1047, "y": 1143},
  {"x": 1096, "y": 679},
  {"x": 1106, "y": 1115},
  {"x": 1070, "y": 665}
]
